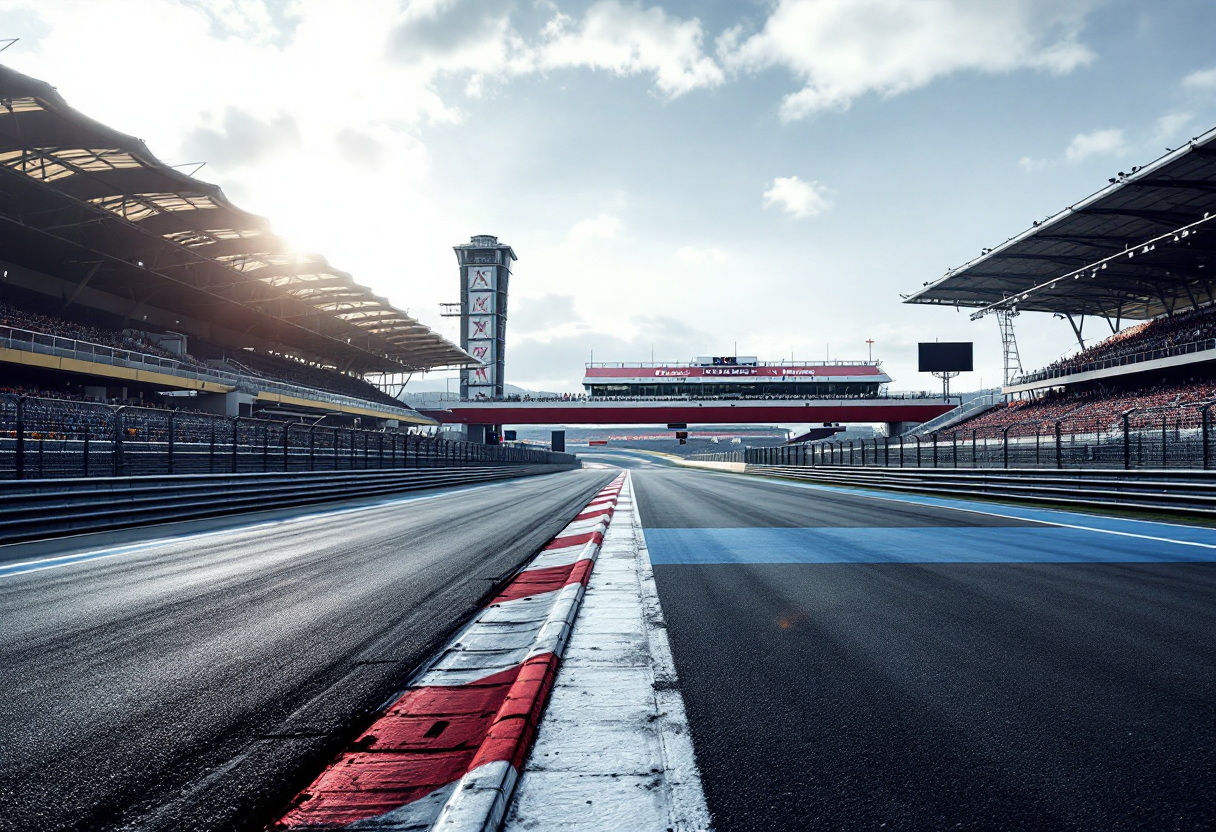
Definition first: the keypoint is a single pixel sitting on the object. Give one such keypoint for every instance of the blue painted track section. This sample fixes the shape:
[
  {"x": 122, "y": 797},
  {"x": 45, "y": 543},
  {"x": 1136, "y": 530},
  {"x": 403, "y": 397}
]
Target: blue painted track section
[
  {"x": 1119, "y": 525},
  {"x": 860, "y": 659},
  {"x": 918, "y": 545}
]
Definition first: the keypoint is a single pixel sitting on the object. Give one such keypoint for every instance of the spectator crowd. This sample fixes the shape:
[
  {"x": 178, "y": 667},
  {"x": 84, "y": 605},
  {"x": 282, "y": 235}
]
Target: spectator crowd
[
  {"x": 281, "y": 369},
  {"x": 128, "y": 339},
  {"x": 1092, "y": 411},
  {"x": 1164, "y": 333}
]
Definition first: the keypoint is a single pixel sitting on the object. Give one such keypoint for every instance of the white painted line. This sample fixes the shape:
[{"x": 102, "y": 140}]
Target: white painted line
[
  {"x": 687, "y": 794},
  {"x": 24, "y": 567},
  {"x": 613, "y": 750},
  {"x": 990, "y": 513}
]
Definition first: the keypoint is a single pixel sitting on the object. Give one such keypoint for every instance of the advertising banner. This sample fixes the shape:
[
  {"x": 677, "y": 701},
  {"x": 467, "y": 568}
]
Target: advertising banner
[
  {"x": 764, "y": 372},
  {"x": 483, "y": 278},
  {"x": 481, "y": 375},
  {"x": 481, "y": 303},
  {"x": 483, "y": 351},
  {"x": 481, "y": 326}
]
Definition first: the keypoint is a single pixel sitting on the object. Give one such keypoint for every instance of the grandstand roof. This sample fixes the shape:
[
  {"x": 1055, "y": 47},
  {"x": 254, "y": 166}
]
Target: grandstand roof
[
  {"x": 1142, "y": 246},
  {"x": 88, "y": 203}
]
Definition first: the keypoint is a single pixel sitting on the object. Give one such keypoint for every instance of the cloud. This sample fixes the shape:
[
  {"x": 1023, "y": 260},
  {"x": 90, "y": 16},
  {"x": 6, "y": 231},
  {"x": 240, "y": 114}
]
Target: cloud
[
  {"x": 255, "y": 21},
  {"x": 1204, "y": 79},
  {"x": 557, "y": 362},
  {"x": 797, "y": 198},
  {"x": 241, "y": 139},
  {"x": 1029, "y": 165},
  {"x": 603, "y": 227},
  {"x": 630, "y": 40},
  {"x": 1171, "y": 126},
  {"x": 842, "y": 49},
  {"x": 700, "y": 256},
  {"x": 1097, "y": 143},
  {"x": 532, "y": 316},
  {"x": 359, "y": 148},
  {"x": 473, "y": 38}
]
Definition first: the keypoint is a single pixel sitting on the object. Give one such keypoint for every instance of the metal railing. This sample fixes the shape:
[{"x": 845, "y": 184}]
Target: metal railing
[
  {"x": 40, "y": 509},
  {"x": 1175, "y": 491},
  {"x": 783, "y": 363},
  {"x": 691, "y": 397},
  {"x": 963, "y": 411},
  {"x": 54, "y": 438},
  {"x": 1158, "y": 438},
  {"x": 718, "y": 456},
  {"x": 1117, "y": 361},
  {"x": 43, "y": 344}
]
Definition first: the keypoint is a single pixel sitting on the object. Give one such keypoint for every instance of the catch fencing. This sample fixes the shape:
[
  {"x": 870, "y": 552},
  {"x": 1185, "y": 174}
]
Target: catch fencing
[
  {"x": 53, "y": 438},
  {"x": 1159, "y": 438}
]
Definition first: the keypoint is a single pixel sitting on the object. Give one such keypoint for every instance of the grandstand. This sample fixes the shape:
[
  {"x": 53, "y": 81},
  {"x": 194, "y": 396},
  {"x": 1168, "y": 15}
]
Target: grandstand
[
  {"x": 1138, "y": 256},
  {"x": 125, "y": 281},
  {"x": 708, "y": 377}
]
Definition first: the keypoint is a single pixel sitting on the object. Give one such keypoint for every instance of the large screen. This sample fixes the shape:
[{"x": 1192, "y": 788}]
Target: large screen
[{"x": 946, "y": 357}]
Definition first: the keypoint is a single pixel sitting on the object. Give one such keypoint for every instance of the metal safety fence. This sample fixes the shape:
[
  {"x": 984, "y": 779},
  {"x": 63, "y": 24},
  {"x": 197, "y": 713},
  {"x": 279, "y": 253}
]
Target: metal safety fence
[
  {"x": 1158, "y": 438},
  {"x": 55, "y": 438}
]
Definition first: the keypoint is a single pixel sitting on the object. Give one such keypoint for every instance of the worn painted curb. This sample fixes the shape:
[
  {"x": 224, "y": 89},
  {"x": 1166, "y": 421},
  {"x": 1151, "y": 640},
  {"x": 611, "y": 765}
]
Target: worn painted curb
[{"x": 446, "y": 753}]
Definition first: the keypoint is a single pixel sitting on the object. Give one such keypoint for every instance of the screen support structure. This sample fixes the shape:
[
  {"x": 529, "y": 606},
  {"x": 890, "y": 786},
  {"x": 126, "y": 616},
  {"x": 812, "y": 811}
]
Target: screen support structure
[{"x": 945, "y": 377}]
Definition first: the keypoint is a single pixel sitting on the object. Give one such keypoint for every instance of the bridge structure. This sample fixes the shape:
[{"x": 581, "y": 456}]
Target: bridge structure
[
  {"x": 708, "y": 390},
  {"x": 896, "y": 412}
]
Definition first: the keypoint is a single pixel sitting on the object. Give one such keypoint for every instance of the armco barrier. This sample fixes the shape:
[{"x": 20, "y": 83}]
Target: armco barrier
[
  {"x": 37, "y": 509},
  {"x": 1172, "y": 491}
]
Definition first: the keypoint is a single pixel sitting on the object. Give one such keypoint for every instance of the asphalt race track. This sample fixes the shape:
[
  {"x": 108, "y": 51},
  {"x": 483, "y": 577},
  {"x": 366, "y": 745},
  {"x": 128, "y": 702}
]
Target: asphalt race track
[
  {"x": 198, "y": 683},
  {"x": 621, "y": 457},
  {"x": 859, "y": 662},
  {"x": 848, "y": 660}
]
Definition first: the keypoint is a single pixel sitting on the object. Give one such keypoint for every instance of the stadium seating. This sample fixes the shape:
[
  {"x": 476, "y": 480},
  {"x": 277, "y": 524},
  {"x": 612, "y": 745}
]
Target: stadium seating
[
  {"x": 290, "y": 371},
  {"x": 1093, "y": 410},
  {"x": 1162, "y": 333},
  {"x": 273, "y": 368},
  {"x": 60, "y": 328}
]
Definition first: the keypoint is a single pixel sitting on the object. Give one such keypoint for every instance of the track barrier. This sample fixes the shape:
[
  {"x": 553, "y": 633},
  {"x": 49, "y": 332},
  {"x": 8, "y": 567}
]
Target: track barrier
[
  {"x": 38, "y": 509},
  {"x": 1170, "y": 491}
]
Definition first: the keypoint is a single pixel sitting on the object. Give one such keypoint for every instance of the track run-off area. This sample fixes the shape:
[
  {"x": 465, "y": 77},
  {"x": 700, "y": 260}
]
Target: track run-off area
[{"x": 847, "y": 659}]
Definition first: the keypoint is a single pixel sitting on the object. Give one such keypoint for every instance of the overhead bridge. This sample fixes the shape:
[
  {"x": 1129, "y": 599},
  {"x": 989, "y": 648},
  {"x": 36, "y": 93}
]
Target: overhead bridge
[{"x": 711, "y": 411}]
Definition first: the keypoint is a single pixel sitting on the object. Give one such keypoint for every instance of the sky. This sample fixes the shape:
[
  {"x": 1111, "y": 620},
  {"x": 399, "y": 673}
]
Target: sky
[{"x": 683, "y": 179}]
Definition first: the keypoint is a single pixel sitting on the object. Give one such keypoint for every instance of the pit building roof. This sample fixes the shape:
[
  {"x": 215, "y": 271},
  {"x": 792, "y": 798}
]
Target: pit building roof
[
  {"x": 1140, "y": 247},
  {"x": 87, "y": 203}
]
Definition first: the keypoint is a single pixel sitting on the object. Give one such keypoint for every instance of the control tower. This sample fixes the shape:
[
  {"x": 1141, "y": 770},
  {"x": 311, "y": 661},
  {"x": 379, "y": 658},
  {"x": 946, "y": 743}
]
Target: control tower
[{"x": 485, "y": 273}]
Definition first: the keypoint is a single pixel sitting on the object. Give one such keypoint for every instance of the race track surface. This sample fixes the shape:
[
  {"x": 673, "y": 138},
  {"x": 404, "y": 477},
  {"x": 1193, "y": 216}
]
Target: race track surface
[
  {"x": 198, "y": 683},
  {"x": 850, "y": 661}
]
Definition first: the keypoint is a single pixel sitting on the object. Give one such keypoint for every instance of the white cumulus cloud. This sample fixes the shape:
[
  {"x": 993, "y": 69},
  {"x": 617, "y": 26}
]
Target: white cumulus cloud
[
  {"x": 1172, "y": 126},
  {"x": 603, "y": 227},
  {"x": 1029, "y": 165},
  {"x": 630, "y": 40},
  {"x": 842, "y": 49},
  {"x": 1204, "y": 79},
  {"x": 700, "y": 256},
  {"x": 1097, "y": 143},
  {"x": 797, "y": 198}
]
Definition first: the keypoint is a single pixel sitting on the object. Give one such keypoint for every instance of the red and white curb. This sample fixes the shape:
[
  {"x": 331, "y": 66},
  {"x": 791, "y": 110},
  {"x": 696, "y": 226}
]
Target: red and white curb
[
  {"x": 614, "y": 753},
  {"x": 445, "y": 755}
]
